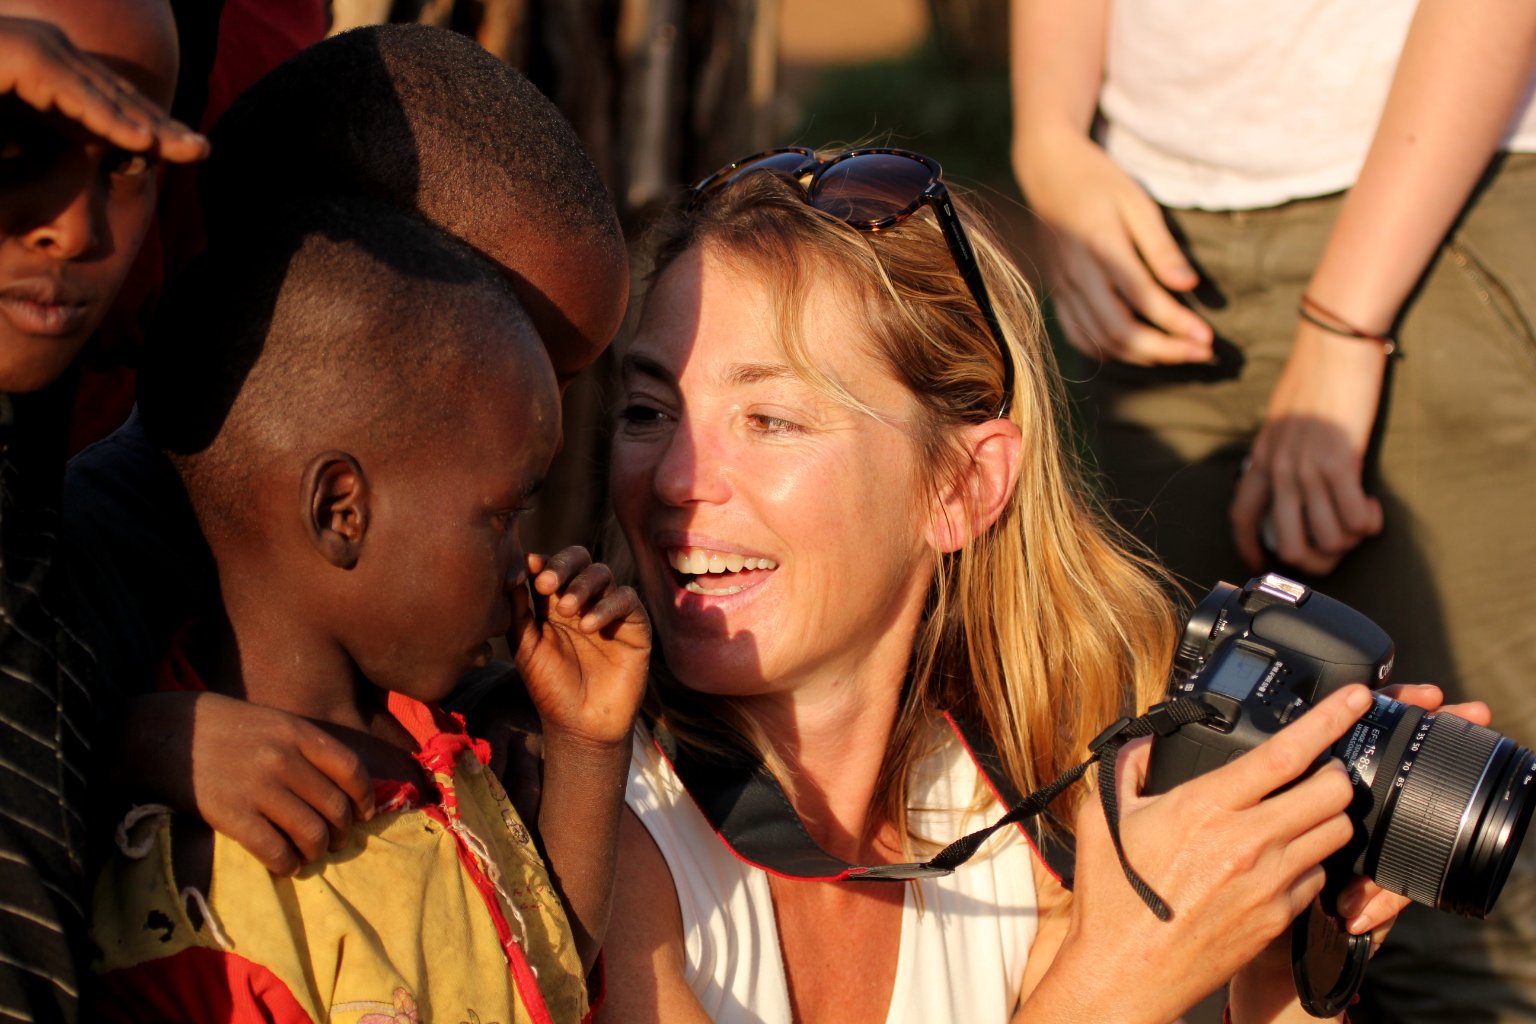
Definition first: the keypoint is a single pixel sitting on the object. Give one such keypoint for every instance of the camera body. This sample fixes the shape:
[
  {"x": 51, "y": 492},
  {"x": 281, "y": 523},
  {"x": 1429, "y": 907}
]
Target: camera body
[
  {"x": 1260, "y": 656},
  {"x": 1441, "y": 805}
]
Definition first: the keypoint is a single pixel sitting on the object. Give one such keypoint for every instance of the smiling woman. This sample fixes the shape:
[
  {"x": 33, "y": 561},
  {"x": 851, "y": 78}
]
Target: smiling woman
[{"x": 849, "y": 558}]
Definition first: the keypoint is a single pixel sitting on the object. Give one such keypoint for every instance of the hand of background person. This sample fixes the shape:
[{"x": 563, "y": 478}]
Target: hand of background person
[
  {"x": 1115, "y": 261},
  {"x": 582, "y": 645},
  {"x": 1304, "y": 471},
  {"x": 279, "y": 785},
  {"x": 1234, "y": 863},
  {"x": 44, "y": 70}
]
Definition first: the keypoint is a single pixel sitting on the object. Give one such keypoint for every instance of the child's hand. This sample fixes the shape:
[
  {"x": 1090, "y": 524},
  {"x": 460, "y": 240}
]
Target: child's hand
[
  {"x": 280, "y": 786},
  {"x": 42, "y": 68},
  {"x": 583, "y": 647}
]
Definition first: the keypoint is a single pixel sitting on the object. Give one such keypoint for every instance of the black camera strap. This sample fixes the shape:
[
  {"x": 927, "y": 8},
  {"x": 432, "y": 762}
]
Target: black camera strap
[{"x": 749, "y": 811}]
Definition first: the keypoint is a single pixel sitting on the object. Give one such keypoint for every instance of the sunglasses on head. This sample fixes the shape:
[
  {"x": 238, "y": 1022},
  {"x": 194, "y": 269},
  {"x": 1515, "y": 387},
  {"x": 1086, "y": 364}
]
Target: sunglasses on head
[{"x": 871, "y": 190}]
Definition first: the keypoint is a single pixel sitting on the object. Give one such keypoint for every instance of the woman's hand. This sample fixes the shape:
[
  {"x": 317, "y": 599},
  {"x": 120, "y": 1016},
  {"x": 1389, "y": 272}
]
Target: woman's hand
[
  {"x": 1264, "y": 989},
  {"x": 1304, "y": 472},
  {"x": 583, "y": 647},
  {"x": 1234, "y": 863},
  {"x": 43, "y": 69},
  {"x": 1115, "y": 261},
  {"x": 279, "y": 785}
]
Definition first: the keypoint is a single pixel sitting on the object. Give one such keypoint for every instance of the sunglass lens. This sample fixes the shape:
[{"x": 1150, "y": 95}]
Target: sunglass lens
[
  {"x": 789, "y": 164},
  {"x": 871, "y": 188}
]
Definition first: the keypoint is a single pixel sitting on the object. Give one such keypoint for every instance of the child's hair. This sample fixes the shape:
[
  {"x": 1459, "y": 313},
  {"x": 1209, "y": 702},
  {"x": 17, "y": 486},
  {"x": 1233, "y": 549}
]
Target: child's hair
[
  {"x": 410, "y": 115},
  {"x": 344, "y": 319},
  {"x": 1045, "y": 628}
]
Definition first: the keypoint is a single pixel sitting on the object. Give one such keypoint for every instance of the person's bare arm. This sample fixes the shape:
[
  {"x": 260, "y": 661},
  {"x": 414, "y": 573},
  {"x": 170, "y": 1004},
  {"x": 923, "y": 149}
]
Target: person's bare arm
[
  {"x": 43, "y": 69},
  {"x": 1463, "y": 69},
  {"x": 583, "y": 649},
  {"x": 646, "y": 983},
  {"x": 1114, "y": 262}
]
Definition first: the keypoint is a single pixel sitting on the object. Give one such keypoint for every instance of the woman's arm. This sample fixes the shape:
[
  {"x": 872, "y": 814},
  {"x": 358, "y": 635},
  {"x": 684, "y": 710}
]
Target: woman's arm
[
  {"x": 1463, "y": 69},
  {"x": 643, "y": 963},
  {"x": 1114, "y": 260}
]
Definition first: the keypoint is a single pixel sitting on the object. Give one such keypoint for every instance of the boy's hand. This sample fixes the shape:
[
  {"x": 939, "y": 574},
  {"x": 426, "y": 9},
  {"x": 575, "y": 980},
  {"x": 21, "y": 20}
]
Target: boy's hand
[
  {"x": 280, "y": 786},
  {"x": 583, "y": 647},
  {"x": 44, "y": 70}
]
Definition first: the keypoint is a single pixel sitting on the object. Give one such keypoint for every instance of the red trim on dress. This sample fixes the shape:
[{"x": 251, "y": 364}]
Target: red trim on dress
[{"x": 999, "y": 798}]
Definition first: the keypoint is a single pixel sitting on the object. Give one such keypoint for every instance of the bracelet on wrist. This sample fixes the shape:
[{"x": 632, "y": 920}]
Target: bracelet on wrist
[{"x": 1318, "y": 315}]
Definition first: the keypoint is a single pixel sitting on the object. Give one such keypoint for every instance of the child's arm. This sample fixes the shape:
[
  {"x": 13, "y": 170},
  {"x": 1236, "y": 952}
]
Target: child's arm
[
  {"x": 280, "y": 786},
  {"x": 583, "y": 649},
  {"x": 42, "y": 68}
]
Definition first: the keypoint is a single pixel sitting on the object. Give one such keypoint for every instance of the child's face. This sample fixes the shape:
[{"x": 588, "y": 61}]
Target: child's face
[
  {"x": 442, "y": 562},
  {"x": 73, "y": 209}
]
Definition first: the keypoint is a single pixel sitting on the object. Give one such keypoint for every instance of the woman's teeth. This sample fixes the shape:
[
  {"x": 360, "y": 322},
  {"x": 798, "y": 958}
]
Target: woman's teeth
[{"x": 700, "y": 562}]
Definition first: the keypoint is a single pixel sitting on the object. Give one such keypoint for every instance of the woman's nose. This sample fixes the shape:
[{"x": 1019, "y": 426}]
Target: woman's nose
[{"x": 692, "y": 467}]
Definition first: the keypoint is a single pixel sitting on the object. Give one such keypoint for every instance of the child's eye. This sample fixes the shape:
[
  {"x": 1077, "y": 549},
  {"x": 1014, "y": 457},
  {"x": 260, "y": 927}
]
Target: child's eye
[
  {"x": 123, "y": 164},
  {"x": 637, "y": 415}
]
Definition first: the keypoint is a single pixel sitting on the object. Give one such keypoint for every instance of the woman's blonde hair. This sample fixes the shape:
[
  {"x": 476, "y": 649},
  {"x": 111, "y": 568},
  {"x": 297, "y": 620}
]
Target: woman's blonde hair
[{"x": 1046, "y": 627}]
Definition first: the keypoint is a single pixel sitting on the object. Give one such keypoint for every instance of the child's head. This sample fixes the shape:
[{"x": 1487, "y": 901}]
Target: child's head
[
  {"x": 380, "y": 411},
  {"x": 73, "y": 208},
  {"x": 426, "y": 118}
]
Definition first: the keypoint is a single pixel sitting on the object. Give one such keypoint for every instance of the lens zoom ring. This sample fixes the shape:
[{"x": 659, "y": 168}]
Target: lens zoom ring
[{"x": 1422, "y": 825}]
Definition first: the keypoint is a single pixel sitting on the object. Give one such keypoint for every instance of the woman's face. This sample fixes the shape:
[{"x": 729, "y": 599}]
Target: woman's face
[{"x": 779, "y": 535}]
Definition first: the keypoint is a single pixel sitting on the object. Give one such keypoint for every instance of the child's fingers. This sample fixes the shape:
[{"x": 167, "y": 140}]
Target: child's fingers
[
  {"x": 621, "y": 605},
  {"x": 339, "y": 768},
  {"x": 325, "y": 799},
  {"x": 266, "y": 843},
  {"x": 555, "y": 573},
  {"x": 581, "y": 594},
  {"x": 309, "y": 833}
]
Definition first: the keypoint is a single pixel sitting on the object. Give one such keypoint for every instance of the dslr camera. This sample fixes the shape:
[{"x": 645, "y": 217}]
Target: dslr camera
[{"x": 1441, "y": 805}]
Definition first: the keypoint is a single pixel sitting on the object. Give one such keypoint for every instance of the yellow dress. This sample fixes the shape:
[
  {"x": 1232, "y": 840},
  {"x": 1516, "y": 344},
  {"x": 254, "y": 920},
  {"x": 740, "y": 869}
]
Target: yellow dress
[{"x": 438, "y": 910}]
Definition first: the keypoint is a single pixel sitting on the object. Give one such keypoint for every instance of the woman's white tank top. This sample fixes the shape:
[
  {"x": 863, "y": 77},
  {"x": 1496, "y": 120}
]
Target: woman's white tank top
[{"x": 964, "y": 942}]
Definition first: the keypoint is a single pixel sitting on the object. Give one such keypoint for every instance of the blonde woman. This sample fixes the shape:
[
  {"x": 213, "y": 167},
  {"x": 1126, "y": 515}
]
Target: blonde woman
[{"x": 841, "y": 470}]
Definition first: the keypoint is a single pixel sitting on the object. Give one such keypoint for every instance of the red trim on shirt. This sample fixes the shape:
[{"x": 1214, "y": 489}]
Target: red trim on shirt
[{"x": 196, "y": 985}]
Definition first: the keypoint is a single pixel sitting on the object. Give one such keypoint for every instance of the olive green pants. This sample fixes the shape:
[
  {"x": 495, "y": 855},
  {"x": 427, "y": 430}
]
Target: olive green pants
[{"x": 1452, "y": 577}]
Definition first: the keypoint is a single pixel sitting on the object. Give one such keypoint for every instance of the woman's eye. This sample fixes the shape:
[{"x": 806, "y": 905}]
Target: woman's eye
[{"x": 772, "y": 424}]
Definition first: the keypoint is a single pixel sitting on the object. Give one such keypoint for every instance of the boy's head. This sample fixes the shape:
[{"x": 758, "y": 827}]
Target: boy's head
[
  {"x": 425, "y": 118},
  {"x": 381, "y": 411},
  {"x": 73, "y": 208}
]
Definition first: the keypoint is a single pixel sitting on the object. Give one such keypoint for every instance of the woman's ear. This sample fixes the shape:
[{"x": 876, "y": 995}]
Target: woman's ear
[
  {"x": 976, "y": 497},
  {"x": 336, "y": 500}
]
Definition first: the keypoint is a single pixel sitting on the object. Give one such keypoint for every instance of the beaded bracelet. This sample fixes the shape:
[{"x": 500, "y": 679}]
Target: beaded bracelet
[{"x": 1318, "y": 315}]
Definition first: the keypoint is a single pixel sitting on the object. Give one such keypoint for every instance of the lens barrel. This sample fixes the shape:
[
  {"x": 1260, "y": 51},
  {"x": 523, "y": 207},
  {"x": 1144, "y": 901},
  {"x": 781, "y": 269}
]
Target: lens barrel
[{"x": 1449, "y": 805}]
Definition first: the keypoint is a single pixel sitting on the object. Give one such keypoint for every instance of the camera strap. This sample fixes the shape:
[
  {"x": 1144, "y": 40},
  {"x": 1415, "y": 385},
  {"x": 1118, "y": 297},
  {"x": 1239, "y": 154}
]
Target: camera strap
[{"x": 749, "y": 811}]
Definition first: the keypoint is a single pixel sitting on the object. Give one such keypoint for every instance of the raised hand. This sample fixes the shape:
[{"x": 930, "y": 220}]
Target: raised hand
[
  {"x": 583, "y": 647},
  {"x": 40, "y": 67}
]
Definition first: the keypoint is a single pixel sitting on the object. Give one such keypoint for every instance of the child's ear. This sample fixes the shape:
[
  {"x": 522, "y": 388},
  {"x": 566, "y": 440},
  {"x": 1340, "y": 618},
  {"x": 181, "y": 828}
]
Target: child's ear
[
  {"x": 336, "y": 506},
  {"x": 976, "y": 497}
]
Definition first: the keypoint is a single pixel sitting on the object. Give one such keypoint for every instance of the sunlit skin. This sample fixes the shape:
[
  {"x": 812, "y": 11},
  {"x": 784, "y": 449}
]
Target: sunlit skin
[
  {"x": 438, "y": 561},
  {"x": 723, "y": 452},
  {"x": 74, "y": 207}
]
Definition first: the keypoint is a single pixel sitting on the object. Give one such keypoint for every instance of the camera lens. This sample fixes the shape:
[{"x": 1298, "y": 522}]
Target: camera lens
[{"x": 1449, "y": 803}]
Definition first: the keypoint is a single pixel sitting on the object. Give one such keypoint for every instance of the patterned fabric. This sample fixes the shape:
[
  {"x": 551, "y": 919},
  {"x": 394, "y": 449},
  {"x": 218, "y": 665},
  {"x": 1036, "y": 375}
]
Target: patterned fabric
[
  {"x": 438, "y": 909},
  {"x": 46, "y": 683}
]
